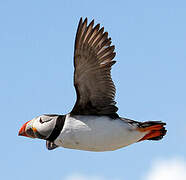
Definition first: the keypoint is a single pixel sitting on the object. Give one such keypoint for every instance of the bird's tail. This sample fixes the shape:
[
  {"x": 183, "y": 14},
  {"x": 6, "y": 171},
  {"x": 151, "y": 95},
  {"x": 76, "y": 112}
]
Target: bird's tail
[{"x": 155, "y": 130}]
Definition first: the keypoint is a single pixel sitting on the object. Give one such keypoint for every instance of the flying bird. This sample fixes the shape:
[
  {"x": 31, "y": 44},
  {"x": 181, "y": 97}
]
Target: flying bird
[{"x": 93, "y": 124}]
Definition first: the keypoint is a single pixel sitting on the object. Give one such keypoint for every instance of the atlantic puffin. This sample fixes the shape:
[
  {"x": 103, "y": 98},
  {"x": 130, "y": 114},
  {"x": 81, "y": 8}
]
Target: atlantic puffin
[{"x": 93, "y": 124}]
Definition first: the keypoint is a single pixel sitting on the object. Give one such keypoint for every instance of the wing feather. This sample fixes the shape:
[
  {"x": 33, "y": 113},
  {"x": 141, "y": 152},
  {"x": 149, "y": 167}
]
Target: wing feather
[{"x": 93, "y": 59}]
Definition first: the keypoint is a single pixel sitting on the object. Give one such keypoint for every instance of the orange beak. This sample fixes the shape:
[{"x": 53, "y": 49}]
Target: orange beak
[{"x": 22, "y": 131}]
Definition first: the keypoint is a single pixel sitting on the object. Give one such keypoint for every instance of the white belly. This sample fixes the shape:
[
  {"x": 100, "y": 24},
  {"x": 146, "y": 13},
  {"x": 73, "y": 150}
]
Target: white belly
[{"x": 95, "y": 133}]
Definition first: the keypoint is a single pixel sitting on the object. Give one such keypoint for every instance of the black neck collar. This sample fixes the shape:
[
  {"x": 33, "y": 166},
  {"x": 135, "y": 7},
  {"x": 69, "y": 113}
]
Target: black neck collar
[{"x": 57, "y": 129}]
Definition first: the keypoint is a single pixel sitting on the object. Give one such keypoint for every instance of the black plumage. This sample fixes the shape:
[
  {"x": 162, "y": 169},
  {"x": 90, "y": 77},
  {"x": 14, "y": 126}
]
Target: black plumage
[{"x": 93, "y": 59}]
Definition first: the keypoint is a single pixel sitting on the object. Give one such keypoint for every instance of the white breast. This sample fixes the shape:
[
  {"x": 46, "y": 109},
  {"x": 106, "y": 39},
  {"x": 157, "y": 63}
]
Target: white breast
[{"x": 96, "y": 133}]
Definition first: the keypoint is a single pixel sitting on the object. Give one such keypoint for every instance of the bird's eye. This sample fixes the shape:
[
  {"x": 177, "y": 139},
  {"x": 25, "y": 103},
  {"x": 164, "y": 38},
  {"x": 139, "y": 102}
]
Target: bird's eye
[
  {"x": 40, "y": 120},
  {"x": 45, "y": 120}
]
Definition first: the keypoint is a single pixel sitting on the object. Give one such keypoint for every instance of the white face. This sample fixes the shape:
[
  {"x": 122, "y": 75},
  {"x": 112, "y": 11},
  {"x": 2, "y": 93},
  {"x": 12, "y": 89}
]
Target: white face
[{"x": 41, "y": 126}]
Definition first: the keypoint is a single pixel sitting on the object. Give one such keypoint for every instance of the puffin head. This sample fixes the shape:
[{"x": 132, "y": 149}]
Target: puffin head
[{"x": 40, "y": 127}]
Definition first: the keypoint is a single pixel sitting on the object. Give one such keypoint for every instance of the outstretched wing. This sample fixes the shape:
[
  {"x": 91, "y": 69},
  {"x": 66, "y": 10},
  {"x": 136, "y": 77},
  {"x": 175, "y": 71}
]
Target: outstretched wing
[{"x": 93, "y": 58}]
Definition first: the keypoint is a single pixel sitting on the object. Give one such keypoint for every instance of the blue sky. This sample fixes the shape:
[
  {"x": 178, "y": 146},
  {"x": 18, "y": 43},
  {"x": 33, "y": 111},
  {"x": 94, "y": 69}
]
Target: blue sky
[{"x": 36, "y": 77}]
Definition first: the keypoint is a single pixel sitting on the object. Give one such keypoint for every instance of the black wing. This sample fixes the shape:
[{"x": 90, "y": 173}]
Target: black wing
[{"x": 93, "y": 58}]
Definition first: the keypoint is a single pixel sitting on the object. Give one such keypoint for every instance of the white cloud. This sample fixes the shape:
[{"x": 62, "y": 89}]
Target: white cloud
[
  {"x": 84, "y": 177},
  {"x": 168, "y": 169},
  {"x": 171, "y": 169}
]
